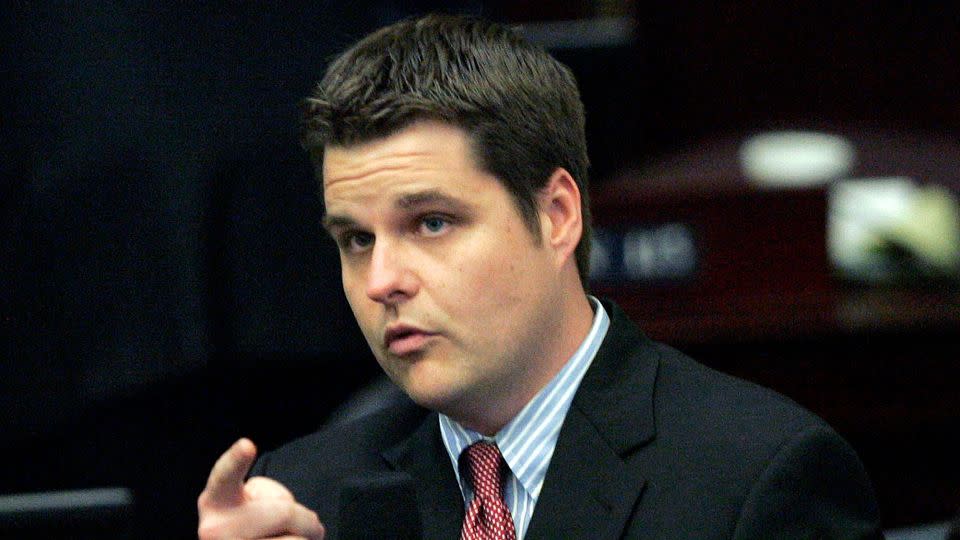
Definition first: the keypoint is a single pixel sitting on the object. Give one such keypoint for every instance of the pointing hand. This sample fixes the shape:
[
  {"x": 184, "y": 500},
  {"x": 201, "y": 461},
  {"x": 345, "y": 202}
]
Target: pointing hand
[{"x": 258, "y": 508}]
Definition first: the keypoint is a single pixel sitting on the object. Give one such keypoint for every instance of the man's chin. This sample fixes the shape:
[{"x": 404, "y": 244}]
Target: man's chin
[
  {"x": 433, "y": 394},
  {"x": 455, "y": 399},
  {"x": 430, "y": 397},
  {"x": 429, "y": 382}
]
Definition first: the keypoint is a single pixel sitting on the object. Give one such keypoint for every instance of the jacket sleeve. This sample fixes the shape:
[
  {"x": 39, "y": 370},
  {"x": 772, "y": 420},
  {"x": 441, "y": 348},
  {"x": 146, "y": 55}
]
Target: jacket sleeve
[{"x": 813, "y": 487}]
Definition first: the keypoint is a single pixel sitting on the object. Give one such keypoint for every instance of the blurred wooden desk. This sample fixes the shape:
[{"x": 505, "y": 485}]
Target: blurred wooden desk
[{"x": 678, "y": 317}]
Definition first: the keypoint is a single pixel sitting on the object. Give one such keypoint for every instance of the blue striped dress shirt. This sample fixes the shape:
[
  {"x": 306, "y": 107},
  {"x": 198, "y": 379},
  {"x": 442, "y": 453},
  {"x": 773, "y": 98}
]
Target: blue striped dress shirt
[{"x": 527, "y": 442}]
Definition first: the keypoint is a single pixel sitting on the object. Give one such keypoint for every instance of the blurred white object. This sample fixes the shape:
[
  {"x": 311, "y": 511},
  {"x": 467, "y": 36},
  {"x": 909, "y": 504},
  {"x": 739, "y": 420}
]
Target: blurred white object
[
  {"x": 796, "y": 158},
  {"x": 870, "y": 219},
  {"x": 932, "y": 230},
  {"x": 859, "y": 212}
]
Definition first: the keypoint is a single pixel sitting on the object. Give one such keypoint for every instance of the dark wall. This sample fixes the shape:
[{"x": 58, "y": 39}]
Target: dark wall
[
  {"x": 161, "y": 216},
  {"x": 166, "y": 285}
]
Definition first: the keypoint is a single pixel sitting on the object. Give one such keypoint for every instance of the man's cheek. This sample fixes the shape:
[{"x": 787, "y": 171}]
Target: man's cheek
[{"x": 354, "y": 298}]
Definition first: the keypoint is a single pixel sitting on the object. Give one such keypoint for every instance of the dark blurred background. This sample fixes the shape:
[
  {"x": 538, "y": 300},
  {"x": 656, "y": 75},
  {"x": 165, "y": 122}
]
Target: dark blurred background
[{"x": 167, "y": 288}]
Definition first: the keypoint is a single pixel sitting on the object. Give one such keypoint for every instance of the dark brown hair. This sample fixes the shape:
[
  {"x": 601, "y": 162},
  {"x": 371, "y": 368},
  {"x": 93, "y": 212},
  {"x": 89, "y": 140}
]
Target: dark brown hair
[{"x": 519, "y": 106}]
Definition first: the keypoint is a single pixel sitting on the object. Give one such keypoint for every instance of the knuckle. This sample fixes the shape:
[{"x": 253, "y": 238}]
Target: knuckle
[
  {"x": 286, "y": 512},
  {"x": 209, "y": 531}
]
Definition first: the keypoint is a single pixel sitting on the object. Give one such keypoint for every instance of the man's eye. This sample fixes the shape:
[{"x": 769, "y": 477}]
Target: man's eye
[
  {"x": 434, "y": 224},
  {"x": 357, "y": 241}
]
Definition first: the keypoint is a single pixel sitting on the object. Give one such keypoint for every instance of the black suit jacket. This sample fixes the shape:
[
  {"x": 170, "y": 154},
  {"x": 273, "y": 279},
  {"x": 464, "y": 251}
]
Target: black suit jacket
[{"x": 654, "y": 445}]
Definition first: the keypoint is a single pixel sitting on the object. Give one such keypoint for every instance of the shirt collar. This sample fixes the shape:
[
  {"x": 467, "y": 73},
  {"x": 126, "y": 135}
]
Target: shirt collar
[{"x": 527, "y": 442}]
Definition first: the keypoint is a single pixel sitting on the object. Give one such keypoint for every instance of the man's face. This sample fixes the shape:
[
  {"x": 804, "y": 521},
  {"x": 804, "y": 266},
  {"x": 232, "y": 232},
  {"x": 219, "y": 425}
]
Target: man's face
[{"x": 455, "y": 296}]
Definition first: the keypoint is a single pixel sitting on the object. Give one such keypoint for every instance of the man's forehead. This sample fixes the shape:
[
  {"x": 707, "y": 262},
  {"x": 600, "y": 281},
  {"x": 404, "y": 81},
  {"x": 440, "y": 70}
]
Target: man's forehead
[
  {"x": 421, "y": 143},
  {"x": 343, "y": 166}
]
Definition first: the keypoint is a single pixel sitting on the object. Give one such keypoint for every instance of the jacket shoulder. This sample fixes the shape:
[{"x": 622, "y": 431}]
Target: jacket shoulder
[
  {"x": 752, "y": 454},
  {"x": 722, "y": 402},
  {"x": 346, "y": 444},
  {"x": 314, "y": 467}
]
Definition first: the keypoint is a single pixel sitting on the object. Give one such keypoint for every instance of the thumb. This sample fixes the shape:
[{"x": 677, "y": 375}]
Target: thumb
[{"x": 261, "y": 487}]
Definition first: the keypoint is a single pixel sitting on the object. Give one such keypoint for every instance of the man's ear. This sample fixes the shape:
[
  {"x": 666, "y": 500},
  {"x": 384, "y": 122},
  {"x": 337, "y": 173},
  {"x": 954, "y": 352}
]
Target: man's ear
[{"x": 560, "y": 217}]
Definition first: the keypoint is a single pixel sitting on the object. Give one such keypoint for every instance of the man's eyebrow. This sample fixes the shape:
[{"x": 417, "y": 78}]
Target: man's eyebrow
[
  {"x": 431, "y": 196},
  {"x": 330, "y": 222}
]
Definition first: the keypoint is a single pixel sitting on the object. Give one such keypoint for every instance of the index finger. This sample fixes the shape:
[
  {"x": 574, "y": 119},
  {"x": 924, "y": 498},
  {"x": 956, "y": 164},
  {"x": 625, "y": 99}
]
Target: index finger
[{"x": 225, "y": 483}]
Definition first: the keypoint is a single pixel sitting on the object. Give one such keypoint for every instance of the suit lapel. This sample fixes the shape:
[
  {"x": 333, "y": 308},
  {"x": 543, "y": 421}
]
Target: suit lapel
[
  {"x": 423, "y": 456},
  {"x": 589, "y": 490}
]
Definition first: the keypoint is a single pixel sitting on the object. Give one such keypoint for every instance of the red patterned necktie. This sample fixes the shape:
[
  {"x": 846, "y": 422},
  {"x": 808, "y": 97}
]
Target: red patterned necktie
[{"x": 488, "y": 517}]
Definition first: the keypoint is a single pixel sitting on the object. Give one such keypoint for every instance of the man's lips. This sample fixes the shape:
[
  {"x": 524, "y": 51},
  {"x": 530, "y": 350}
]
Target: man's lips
[{"x": 402, "y": 339}]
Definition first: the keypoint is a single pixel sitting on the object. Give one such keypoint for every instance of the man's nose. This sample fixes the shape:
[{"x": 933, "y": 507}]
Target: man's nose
[{"x": 389, "y": 278}]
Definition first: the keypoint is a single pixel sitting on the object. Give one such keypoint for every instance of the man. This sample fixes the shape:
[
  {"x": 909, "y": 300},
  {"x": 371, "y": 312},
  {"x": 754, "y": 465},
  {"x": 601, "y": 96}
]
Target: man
[{"x": 454, "y": 168}]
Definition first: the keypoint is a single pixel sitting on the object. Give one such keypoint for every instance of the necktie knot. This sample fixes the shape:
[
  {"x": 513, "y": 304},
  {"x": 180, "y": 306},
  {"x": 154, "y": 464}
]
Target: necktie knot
[
  {"x": 484, "y": 465},
  {"x": 487, "y": 516}
]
